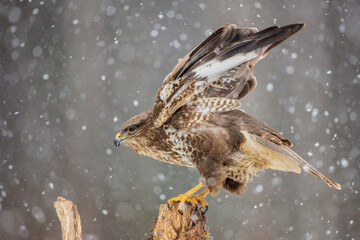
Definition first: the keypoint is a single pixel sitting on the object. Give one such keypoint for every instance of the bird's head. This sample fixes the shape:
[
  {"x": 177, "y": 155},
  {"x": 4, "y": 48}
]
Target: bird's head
[{"x": 133, "y": 130}]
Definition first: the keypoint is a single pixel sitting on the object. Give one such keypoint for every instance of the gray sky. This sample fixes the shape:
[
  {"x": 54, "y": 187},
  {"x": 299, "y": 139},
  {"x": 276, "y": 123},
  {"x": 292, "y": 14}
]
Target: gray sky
[{"x": 73, "y": 71}]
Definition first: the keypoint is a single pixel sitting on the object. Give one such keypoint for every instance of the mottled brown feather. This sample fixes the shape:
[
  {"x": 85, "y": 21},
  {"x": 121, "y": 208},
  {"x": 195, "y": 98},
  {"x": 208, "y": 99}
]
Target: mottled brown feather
[
  {"x": 225, "y": 43},
  {"x": 196, "y": 120}
]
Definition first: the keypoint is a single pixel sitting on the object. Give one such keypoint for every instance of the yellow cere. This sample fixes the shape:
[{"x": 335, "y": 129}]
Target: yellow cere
[{"x": 118, "y": 135}]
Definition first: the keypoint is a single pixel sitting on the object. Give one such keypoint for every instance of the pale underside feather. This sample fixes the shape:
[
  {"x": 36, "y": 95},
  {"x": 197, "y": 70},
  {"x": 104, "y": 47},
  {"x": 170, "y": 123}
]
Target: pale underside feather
[
  {"x": 280, "y": 157},
  {"x": 274, "y": 159}
]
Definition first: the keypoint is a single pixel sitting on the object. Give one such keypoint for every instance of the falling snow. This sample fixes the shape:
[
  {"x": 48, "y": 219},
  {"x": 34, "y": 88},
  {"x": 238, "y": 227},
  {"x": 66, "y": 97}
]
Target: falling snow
[
  {"x": 72, "y": 72},
  {"x": 269, "y": 87}
]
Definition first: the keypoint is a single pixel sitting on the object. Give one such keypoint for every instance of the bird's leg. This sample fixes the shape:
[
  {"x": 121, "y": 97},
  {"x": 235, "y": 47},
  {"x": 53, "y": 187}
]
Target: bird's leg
[
  {"x": 189, "y": 197},
  {"x": 200, "y": 198}
]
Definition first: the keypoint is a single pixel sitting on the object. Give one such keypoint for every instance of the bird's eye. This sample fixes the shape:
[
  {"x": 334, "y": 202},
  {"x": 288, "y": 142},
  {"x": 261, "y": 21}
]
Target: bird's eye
[{"x": 132, "y": 129}]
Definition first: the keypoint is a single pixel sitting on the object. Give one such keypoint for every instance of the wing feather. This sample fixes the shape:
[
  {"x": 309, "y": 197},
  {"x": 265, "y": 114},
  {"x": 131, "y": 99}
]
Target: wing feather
[
  {"x": 264, "y": 142},
  {"x": 228, "y": 49}
]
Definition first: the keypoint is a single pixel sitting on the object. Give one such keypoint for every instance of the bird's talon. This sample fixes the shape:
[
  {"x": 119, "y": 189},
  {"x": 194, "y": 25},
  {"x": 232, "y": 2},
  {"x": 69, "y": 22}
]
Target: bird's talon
[
  {"x": 168, "y": 205},
  {"x": 203, "y": 211},
  {"x": 180, "y": 212},
  {"x": 196, "y": 201}
]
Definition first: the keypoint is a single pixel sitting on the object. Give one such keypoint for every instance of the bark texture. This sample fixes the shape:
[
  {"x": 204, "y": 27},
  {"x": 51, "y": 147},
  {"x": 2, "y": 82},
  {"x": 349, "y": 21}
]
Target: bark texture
[
  {"x": 170, "y": 224},
  {"x": 69, "y": 218}
]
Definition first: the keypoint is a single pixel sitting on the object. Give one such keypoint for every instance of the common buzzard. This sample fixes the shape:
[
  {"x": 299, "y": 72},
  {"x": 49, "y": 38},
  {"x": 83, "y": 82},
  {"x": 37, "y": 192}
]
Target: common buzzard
[{"x": 197, "y": 122}]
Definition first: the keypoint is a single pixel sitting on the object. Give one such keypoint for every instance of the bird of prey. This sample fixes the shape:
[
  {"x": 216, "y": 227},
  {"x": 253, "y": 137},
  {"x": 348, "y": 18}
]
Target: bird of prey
[{"x": 196, "y": 120}]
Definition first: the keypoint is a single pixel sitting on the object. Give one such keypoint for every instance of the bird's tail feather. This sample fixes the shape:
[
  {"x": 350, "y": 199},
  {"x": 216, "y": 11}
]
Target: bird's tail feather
[{"x": 307, "y": 167}]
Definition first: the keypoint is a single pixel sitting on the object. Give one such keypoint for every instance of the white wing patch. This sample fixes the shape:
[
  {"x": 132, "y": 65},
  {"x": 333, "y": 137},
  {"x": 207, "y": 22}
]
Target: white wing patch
[{"x": 214, "y": 68}]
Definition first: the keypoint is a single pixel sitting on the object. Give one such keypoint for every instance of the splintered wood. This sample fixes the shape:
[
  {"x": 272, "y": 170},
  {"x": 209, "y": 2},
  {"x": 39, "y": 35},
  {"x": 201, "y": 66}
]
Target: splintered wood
[
  {"x": 69, "y": 218},
  {"x": 170, "y": 224}
]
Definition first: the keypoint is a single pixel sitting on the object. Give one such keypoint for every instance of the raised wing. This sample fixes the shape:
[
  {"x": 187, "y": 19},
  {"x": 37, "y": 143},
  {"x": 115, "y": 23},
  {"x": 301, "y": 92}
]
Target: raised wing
[{"x": 219, "y": 69}]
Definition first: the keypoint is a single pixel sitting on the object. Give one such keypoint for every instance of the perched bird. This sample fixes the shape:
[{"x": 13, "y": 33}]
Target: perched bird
[{"x": 196, "y": 120}]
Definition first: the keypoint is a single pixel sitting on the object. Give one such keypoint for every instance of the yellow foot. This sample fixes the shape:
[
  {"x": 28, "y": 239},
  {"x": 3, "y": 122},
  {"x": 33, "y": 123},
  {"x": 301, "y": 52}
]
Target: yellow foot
[{"x": 189, "y": 197}]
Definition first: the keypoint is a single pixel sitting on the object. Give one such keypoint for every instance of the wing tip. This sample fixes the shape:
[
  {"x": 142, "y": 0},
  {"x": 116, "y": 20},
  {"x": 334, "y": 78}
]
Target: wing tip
[
  {"x": 284, "y": 33},
  {"x": 335, "y": 185},
  {"x": 300, "y": 26}
]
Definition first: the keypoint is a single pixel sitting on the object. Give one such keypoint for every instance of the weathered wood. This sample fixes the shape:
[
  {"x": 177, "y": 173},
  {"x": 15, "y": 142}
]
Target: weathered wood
[
  {"x": 69, "y": 218},
  {"x": 170, "y": 224}
]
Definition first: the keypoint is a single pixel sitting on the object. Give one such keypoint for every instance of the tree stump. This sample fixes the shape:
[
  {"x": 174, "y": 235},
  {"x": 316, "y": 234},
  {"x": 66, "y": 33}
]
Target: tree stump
[{"x": 170, "y": 224}]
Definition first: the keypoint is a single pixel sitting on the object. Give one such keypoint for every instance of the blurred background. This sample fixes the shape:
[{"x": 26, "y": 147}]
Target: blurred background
[{"x": 73, "y": 71}]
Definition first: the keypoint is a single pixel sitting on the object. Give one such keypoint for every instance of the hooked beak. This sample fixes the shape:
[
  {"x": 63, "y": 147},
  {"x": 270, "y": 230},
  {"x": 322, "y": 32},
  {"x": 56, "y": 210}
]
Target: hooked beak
[{"x": 118, "y": 139}]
